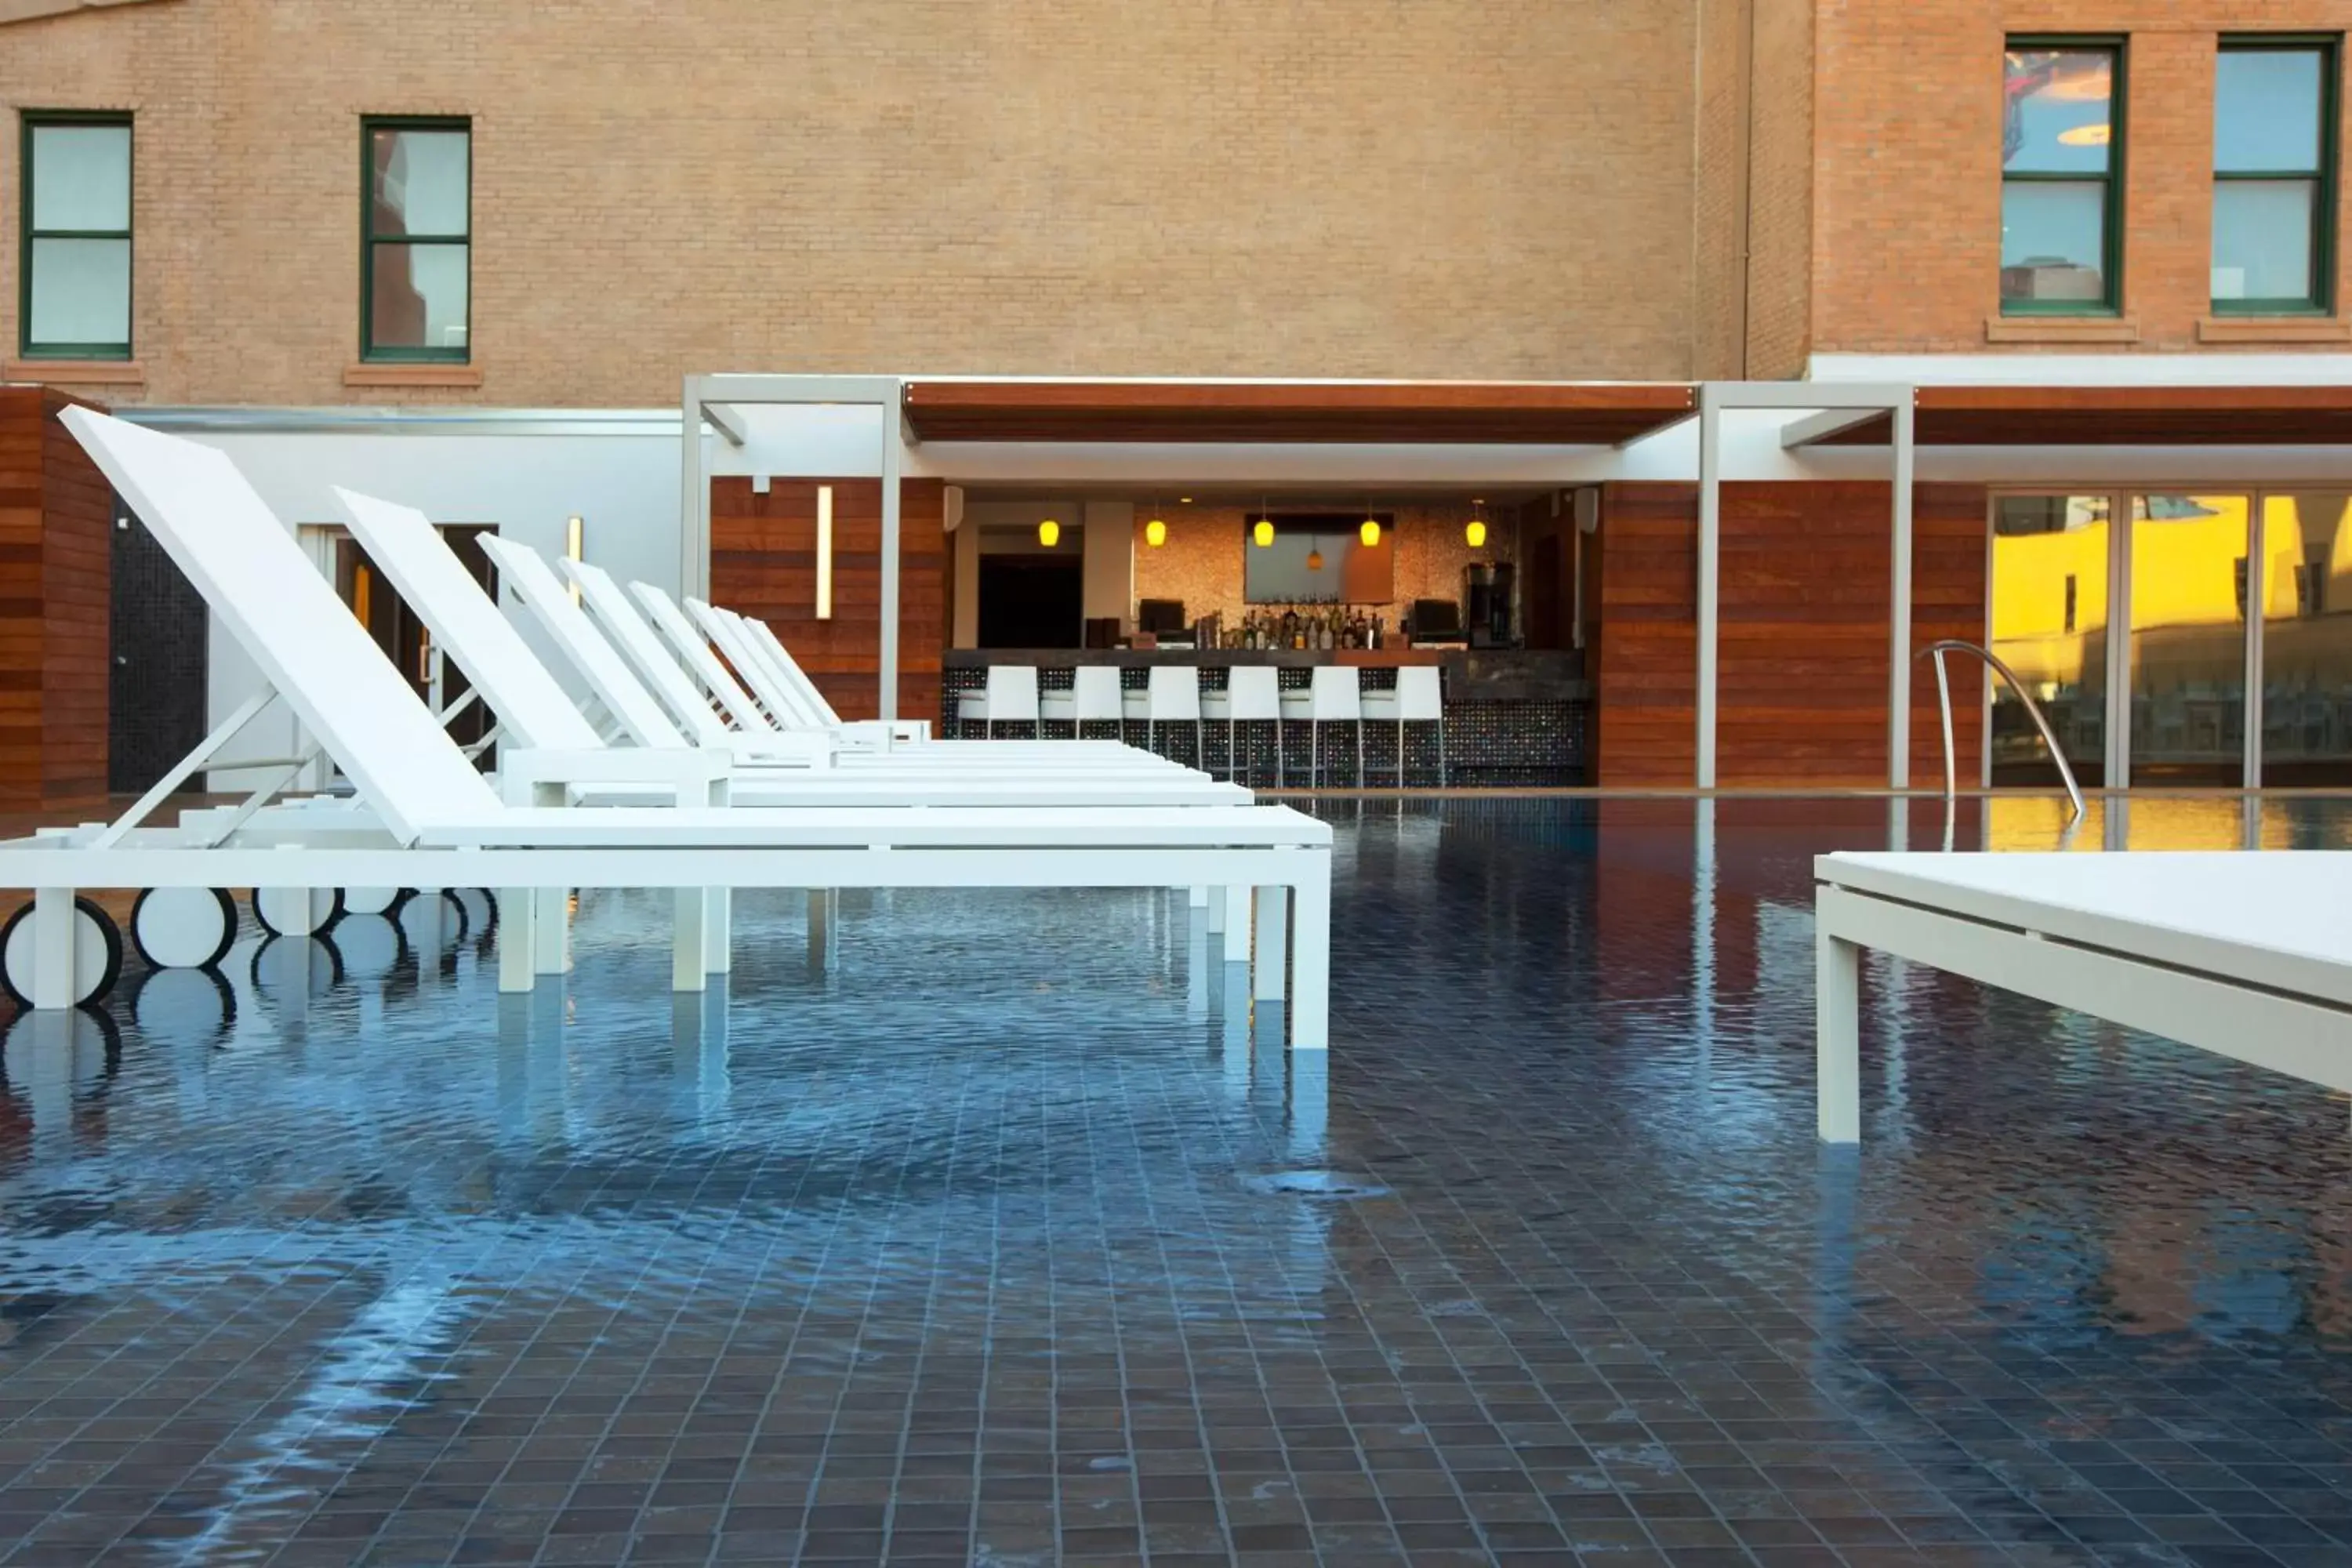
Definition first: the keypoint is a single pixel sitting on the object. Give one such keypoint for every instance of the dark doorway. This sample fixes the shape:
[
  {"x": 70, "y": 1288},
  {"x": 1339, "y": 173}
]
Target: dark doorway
[
  {"x": 403, "y": 636},
  {"x": 1544, "y": 594},
  {"x": 158, "y": 680},
  {"x": 1032, "y": 601}
]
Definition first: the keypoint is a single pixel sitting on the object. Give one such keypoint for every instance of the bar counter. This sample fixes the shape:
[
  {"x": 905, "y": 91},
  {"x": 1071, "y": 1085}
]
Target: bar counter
[{"x": 1513, "y": 715}]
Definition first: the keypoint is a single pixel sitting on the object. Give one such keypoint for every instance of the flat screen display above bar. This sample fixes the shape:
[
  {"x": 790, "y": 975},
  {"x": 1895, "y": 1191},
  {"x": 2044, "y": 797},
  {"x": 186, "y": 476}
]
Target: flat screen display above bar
[{"x": 1319, "y": 558}]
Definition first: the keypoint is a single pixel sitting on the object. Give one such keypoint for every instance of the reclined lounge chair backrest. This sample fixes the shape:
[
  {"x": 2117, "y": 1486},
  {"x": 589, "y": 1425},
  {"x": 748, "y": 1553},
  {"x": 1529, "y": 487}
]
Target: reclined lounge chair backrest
[
  {"x": 528, "y": 578},
  {"x": 645, "y": 652},
  {"x": 764, "y": 634},
  {"x": 776, "y": 694},
  {"x": 694, "y": 649},
  {"x": 307, "y": 643},
  {"x": 410, "y": 551}
]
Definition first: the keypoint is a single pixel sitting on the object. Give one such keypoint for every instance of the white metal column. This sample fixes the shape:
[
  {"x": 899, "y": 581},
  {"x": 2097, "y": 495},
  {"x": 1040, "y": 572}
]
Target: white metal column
[
  {"x": 709, "y": 398},
  {"x": 1898, "y": 607},
  {"x": 1710, "y": 565}
]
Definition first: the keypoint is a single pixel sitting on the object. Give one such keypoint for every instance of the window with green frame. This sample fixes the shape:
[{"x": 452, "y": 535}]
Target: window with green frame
[
  {"x": 416, "y": 239},
  {"x": 73, "y": 272},
  {"x": 2274, "y": 176},
  {"x": 2061, "y": 159}
]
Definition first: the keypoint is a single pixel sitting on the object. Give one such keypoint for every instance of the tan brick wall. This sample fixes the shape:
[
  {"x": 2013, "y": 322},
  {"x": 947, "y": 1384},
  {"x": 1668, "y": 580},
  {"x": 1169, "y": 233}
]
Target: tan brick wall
[
  {"x": 1907, "y": 180},
  {"x": 1781, "y": 190},
  {"x": 1481, "y": 188},
  {"x": 1752, "y": 225},
  {"x": 1720, "y": 203}
]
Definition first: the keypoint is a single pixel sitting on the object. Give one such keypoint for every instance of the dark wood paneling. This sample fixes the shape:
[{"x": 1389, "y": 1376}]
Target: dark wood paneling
[
  {"x": 1550, "y": 414},
  {"x": 763, "y": 563},
  {"x": 56, "y": 546},
  {"x": 1802, "y": 653},
  {"x": 2118, "y": 416},
  {"x": 1645, "y": 641}
]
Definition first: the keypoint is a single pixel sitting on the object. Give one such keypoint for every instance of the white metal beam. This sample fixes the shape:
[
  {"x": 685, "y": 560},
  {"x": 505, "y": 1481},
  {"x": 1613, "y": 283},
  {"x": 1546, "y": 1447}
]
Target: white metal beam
[
  {"x": 1820, "y": 426},
  {"x": 726, "y": 421}
]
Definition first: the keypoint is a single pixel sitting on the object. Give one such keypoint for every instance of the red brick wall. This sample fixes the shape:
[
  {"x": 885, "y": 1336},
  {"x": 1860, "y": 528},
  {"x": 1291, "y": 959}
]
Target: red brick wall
[{"x": 1907, "y": 181}]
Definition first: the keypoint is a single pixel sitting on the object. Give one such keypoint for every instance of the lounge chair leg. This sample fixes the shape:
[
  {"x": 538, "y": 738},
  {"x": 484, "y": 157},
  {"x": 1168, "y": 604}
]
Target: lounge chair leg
[
  {"x": 53, "y": 948},
  {"x": 688, "y": 944},
  {"x": 1310, "y": 962},
  {"x": 517, "y": 906},
  {"x": 1237, "y": 923},
  {"x": 551, "y": 951},
  {"x": 717, "y": 919},
  {"x": 1273, "y": 943},
  {"x": 1837, "y": 1042}
]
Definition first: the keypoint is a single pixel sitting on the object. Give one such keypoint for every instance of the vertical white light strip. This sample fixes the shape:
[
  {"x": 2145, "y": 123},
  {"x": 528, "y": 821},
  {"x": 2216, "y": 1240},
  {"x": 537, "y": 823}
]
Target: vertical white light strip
[
  {"x": 575, "y": 541},
  {"x": 825, "y": 553}
]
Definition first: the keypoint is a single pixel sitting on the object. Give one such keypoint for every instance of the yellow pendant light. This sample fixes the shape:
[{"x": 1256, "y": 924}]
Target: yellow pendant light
[
  {"x": 1476, "y": 533},
  {"x": 1262, "y": 535},
  {"x": 1370, "y": 533},
  {"x": 1049, "y": 533},
  {"x": 1155, "y": 533}
]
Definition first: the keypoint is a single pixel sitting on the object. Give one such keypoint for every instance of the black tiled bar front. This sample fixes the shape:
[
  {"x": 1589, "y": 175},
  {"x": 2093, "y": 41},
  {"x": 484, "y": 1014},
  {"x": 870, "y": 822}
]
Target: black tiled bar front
[{"x": 1016, "y": 1238}]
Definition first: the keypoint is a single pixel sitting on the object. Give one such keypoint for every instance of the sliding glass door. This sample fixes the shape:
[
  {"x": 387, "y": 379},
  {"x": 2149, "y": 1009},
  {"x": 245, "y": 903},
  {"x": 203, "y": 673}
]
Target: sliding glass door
[
  {"x": 2051, "y": 563},
  {"x": 2306, "y": 640},
  {"x": 2190, "y": 564},
  {"x": 2206, "y": 587}
]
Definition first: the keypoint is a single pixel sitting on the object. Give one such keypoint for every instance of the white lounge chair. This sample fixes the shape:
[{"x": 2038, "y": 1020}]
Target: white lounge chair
[
  {"x": 534, "y": 709},
  {"x": 711, "y": 705},
  {"x": 2247, "y": 956},
  {"x": 436, "y": 822}
]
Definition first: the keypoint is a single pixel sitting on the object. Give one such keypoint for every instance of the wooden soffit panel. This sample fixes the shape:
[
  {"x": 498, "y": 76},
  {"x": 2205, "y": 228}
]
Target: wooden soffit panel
[
  {"x": 2119, "y": 416},
  {"x": 1567, "y": 414}
]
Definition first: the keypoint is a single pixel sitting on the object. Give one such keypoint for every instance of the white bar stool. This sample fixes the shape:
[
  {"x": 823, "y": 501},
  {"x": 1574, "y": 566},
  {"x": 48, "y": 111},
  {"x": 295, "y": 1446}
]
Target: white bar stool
[
  {"x": 1093, "y": 695},
  {"x": 1010, "y": 697},
  {"x": 1253, "y": 695},
  {"x": 1419, "y": 698},
  {"x": 1334, "y": 696},
  {"x": 1171, "y": 695}
]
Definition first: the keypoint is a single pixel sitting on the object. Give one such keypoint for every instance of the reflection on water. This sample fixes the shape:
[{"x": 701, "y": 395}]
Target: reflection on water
[{"x": 1014, "y": 1209}]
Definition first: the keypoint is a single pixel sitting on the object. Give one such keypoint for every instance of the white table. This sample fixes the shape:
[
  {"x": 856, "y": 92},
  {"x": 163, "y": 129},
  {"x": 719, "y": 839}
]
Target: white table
[{"x": 2246, "y": 955}]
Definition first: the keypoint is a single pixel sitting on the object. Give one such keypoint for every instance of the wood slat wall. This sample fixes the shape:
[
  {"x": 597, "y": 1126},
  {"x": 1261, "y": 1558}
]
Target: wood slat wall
[
  {"x": 55, "y": 554},
  {"x": 763, "y": 563},
  {"x": 1801, "y": 679},
  {"x": 1645, "y": 636}
]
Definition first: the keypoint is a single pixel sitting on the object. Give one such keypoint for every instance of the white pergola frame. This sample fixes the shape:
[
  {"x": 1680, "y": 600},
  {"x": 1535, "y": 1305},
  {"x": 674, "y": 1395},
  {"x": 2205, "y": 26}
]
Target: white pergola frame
[
  {"x": 712, "y": 399},
  {"x": 1836, "y": 406}
]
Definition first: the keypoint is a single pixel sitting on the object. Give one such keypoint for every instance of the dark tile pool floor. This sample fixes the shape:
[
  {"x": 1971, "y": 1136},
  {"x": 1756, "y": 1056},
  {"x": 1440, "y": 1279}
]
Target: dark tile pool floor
[{"x": 1015, "y": 1239}]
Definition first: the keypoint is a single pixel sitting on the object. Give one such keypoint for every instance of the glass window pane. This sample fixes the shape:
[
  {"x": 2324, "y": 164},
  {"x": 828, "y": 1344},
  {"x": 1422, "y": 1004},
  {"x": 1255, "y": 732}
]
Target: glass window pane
[
  {"x": 2189, "y": 588},
  {"x": 419, "y": 299},
  {"x": 2048, "y": 624},
  {"x": 2266, "y": 111},
  {"x": 2308, "y": 640},
  {"x": 420, "y": 183},
  {"x": 2054, "y": 240},
  {"x": 2261, "y": 238},
  {"x": 2056, "y": 116},
  {"x": 81, "y": 293},
  {"x": 81, "y": 177}
]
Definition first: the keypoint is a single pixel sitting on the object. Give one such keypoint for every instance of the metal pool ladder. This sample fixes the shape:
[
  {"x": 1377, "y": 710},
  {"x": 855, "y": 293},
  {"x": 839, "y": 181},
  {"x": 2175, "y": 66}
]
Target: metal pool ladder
[{"x": 1992, "y": 662}]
